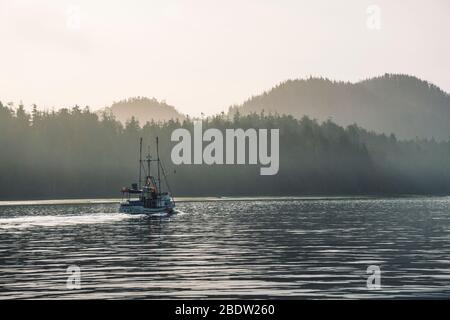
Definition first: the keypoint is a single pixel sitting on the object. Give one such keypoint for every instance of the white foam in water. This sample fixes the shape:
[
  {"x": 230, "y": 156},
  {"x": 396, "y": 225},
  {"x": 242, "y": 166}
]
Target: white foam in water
[
  {"x": 55, "y": 202},
  {"x": 54, "y": 221}
]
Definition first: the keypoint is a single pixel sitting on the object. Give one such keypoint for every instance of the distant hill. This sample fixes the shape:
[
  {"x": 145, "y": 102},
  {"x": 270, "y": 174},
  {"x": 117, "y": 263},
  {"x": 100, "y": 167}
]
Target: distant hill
[
  {"x": 393, "y": 103},
  {"x": 143, "y": 109}
]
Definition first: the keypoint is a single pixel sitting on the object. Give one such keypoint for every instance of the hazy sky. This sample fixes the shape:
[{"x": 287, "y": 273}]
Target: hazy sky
[{"x": 203, "y": 56}]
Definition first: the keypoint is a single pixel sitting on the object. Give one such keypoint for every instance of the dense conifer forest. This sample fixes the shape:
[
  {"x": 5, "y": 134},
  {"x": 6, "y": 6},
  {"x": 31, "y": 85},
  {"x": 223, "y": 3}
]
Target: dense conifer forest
[{"x": 76, "y": 153}]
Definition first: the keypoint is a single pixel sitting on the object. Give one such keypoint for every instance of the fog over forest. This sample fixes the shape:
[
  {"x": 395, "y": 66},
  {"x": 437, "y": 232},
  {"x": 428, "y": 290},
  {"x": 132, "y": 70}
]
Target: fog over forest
[
  {"x": 75, "y": 153},
  {"x": 393, "y": 103}
]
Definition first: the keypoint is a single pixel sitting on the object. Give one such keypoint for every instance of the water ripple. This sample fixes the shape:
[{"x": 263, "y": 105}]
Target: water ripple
[{"x": 235, "y": 249}]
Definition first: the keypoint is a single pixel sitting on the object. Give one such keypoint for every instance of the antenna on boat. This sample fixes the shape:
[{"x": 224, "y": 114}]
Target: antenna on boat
[
  {"x": 140, "y": 162},
  {"x": 157, "y": 154}
]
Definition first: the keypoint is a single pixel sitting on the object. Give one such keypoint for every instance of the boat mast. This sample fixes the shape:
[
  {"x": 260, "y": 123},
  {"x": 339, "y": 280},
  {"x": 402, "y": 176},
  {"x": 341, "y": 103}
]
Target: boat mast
[
  {"x": 157, "y": 154},
  {"x": 140, "y": 162},
  {"x": 149, "y": 158}
]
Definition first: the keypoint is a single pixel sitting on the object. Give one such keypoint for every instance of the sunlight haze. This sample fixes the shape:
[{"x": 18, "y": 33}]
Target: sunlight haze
[{"x": 203, "y": 56}]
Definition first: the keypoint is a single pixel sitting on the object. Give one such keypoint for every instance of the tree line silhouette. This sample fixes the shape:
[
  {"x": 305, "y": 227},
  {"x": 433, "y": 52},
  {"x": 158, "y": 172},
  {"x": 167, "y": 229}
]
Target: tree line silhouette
[{"x": 75, "y": 153}]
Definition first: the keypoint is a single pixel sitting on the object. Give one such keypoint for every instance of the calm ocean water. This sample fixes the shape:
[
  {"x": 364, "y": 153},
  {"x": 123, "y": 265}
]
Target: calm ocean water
[{"x": 229, "y": 249}]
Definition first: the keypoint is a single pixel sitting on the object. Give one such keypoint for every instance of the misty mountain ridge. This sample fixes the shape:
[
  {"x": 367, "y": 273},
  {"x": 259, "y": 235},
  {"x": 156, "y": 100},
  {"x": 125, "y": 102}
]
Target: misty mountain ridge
[
  {"x": 142, "y": 109},
  {"x": 393, "y": 103}
]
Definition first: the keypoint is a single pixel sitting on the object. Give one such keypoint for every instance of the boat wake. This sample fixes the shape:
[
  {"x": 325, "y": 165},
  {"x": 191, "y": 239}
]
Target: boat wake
[
  {"x": 56, "y": 221},
  {"x": 179, "y": 212}
]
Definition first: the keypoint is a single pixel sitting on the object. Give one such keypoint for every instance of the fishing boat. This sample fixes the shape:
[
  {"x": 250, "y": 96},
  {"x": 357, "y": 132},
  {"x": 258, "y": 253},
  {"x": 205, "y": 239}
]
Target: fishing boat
[{"x": 148, "y": 197}]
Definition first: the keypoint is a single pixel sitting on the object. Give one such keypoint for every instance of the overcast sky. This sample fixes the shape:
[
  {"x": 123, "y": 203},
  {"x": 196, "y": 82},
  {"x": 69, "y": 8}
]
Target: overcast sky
[{"x": 203, "y": 56}]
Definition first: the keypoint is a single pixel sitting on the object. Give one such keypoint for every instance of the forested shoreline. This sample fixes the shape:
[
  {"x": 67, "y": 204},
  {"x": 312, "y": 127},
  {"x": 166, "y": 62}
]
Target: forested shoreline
[{"x": 75, "y": 153}]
